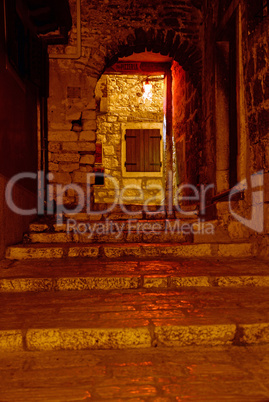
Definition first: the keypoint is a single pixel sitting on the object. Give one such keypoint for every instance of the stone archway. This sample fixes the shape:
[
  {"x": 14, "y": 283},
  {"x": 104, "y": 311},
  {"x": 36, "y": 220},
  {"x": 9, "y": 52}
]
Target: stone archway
[
  {"x": 185, "y": 51},
  {"x": 135, "y": 159},
  {"x": 175, "y": 35},
  {"x": 189, "y": 77}
]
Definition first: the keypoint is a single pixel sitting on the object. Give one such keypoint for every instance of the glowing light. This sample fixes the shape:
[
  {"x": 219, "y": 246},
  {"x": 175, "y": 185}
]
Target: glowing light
[{"x": 147, "y": 91}]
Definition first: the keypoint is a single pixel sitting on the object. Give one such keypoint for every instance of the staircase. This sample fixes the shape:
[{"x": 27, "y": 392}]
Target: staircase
[
  {"x": 134, "y": 288},
  {"x": 133, "y": 234},
  {"x": 125, "y": 303}
]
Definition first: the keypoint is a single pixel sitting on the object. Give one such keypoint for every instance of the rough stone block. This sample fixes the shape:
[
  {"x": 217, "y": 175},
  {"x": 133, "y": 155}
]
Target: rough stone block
[
  {"x": 11, "y": 341},
  {"x": 81, "y": 177},
  {"x": 109, "y": 150},
  {"x": 88, "y": 168},
  {"x": 154, "y": 182},
  {"x": 103, "y": 105},
  {"x": 178, "y": 282},
  {"x": 83, "y": 252},
  {"x": 50, "y": 238},
  {"x": 195, "y": 335},
  {"x": 62, "y": 136},
  {"x": 54, "y": 146},
  {"x": 65, "y": 157},
  {"x": 133, "y": 182},
  {"x": 92, "y": 104},
  {"x": 110, "y": 163},
  {"x": 61, "y": 178},
  {"x": 53, "y": 167},
  {"x": 238, "y": 231},
  {"x": 112, "y": 119},
  {"x": 235, "y": 250},
  {"x": 38, "y": 227},
  {"x": 89, "y": 125},
  {"x": 68, "y": 167},
  {"x": 155, "y": 282},
  {"x": 87, "y": 159},
  {"x": 87, "y": 338},
  {"x": 89, "y": 115},
  {"x": 223, "y": 209},
  {"x": 87, "y": 136},
  {"x": 103, "y": 283},
  {"x": 28, "y": 252},
  {"x": 78, "y": 146},
  {"x": 254, "y": 333}
]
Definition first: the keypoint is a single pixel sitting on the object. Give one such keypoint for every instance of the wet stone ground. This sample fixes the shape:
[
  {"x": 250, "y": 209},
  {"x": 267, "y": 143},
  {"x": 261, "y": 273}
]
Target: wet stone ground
[
  {"x": 186, "y": 374},
  {"x": 37, "y": 372}
]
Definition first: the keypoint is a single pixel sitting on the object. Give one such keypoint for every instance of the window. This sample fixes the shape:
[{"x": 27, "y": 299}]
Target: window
[{"x": 143, "y": 150}]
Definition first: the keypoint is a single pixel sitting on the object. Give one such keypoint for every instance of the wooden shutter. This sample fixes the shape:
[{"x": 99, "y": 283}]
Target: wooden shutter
[
  {"x": 152, "y": 145},
  {"x": 143, "y": 150},
  {"x": 133, "y": 142}
]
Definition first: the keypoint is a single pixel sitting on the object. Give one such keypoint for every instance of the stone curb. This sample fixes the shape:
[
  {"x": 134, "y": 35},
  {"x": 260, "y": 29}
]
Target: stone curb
[
  {"x": 123, "y": 237},
  {"x": 138, "y": 250},
  {"x": 129, "y": 338},
  {"x": 9, "y": 285}
]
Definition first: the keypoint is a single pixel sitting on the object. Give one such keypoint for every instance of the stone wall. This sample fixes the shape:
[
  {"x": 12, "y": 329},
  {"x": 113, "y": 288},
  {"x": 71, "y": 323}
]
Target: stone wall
[
  {"x": 253, "y": 108},
  {"x": 109, "y": 30},
  {"x": 257, "y": 94},
  {"x": 187, "y": 115},
  {"x": 257, "y": 90},
  {"x": 71, "y": 153},
  {"x": 208, "y": 175},
  {"x": 120, "y": 100}
]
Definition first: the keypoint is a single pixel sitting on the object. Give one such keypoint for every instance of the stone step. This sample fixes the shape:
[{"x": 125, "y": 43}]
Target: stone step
[
  {"x": 131, "y": 319},
  {"x": 107, "y": 226},
  {"x": 114, "y": 237},
  {"x": 132, "y": 224},
  {"x": 147, "y": 231},
  {"x": 137, "y": 250},
  {"x": 82, "y": 274},
  {"x": 210, "y": 232},
  {"x": 149, "y": 210}
]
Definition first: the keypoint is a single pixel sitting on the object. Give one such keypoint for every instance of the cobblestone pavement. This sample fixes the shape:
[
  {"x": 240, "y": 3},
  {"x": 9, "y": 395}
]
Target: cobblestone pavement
[
  {"x": 159, "y": 375},
  {"x": 130, "y": 266},
  {"x": 84, "y": 274},
  {"x": 237, "y": 303}
]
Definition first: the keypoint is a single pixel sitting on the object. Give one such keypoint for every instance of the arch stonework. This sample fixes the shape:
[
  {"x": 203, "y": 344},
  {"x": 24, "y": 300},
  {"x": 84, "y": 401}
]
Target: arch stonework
[
  {"x": 167, "y": 43},
  {"x": 168, "y": 29}
]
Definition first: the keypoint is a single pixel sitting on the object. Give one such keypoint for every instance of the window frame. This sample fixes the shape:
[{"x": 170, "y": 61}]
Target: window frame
[{"x": 140, "y": 126}]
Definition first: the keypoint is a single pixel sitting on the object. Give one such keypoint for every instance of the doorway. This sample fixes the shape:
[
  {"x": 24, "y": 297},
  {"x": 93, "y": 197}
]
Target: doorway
[{"x": 132, "y": 131}]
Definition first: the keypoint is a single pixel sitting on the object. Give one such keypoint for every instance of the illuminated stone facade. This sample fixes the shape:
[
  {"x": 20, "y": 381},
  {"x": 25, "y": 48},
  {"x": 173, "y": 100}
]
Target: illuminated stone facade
[{"x": 125, "y": 107}]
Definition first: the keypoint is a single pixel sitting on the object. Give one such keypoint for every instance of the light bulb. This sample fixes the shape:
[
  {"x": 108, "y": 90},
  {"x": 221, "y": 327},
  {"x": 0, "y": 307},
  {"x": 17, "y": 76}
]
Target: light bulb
[{"x": 147, "y": 91}]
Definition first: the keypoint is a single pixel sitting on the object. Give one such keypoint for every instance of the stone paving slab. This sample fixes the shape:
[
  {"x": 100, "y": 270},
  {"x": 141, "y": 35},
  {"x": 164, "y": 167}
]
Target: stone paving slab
[
  {"x": 122, "y": 237},
  {"x": 135, "y": 250},
  {"x": 196, "y": 374},
  {"x": 85, "y": 274},
  {"x": 133, "y": 319}
]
